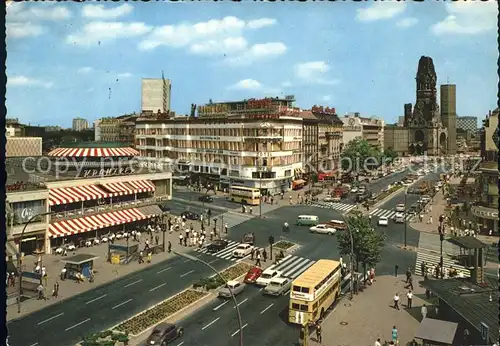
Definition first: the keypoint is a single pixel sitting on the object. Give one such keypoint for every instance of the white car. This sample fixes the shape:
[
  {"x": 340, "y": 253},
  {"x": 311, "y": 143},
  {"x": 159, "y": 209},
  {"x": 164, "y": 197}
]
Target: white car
[
  {"x": 329, "y": 199},
  {"x": 383, "y": 221},
  {"x": 242, "y": 250},
  {"x": 399, "y": 217},
  {"x": 323, "y": 229},
  {"x": 267, "y": 276},
  {"x": 278, "y": 287},
  {"x": 354, "y": 190}
]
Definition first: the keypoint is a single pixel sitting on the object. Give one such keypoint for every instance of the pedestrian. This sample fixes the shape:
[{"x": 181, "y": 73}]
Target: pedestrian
[
  {"x": 408, "y": 275},
  {"x": 422, "y": 268},
  {"x": 423, "y": 311},
  {"x": 409, "y": 297},
  {"x": 40, "y": 289},
  {"x": 180, "y": 239},
  {"x": 251, "y": 210},
  {"x": 410, "y": 284},
  {"x": 396, "y": 301},
  {"x": 211, "y": 235},
  {"x": 226, "y": 228},
  {"x": 252, "y": 254},
  {"x": 141, "y": 259},
  {"x": 396, "y": 267},
  {"x": 257, "y": 262},
  {"x": 394, "y": 335},
  {"x": 264, "y": 255},
  {"x": 169, "y": 247},
  {"x": 377, "y": 342},
  {"x": 157, "y": 240},
  {"x": 318, "y": 333},
  {"x": 146, "y": 246},
  {"x": 150, "y": 256},
  {"x": 55, "y": 292},
  {"x": 63, "y": 274},
  {"x": 185, "y": 241}
]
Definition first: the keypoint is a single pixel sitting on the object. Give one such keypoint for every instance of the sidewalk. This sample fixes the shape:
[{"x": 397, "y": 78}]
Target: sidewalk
[
  {"x": 438, "y": 208},
  {"x": 371, "y": 315}
]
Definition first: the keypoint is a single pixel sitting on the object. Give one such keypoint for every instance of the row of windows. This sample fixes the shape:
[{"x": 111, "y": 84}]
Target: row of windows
[
  {"x": 233, "y": 146},
  {"x": 222, "y": 131},
  {"x": 329, "y": 276},
  {"x": 326, "y": 295},
  {"x": 301, "y": 307}
]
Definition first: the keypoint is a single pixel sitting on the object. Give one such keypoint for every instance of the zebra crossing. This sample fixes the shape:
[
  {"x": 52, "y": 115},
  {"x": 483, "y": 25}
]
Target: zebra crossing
[
  {"x": 226, "y": 253},
  {"x": 387, "y": 213},
  {"x": 292, "y": 266},
  {"x": 333, "y": 205},
  {"x": 433, "y": 260}
]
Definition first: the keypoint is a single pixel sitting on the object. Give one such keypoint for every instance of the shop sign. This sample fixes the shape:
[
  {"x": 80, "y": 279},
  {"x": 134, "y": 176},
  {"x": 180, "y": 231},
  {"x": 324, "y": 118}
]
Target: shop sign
[
  {"x": 106, "y": 172},
  {"x": 27, "y": 213},
  {"x": 263, "y": 154},
  {"x": 234, "y": 153},
  {"x": 209, "y": 138},
  {"x": 209, "y": 151}
]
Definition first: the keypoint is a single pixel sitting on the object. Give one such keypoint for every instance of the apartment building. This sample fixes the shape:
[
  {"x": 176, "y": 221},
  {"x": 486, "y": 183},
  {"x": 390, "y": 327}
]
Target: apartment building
[
  {"x": 80, "y": 124},
  {"x": 254, "y": 143},
  {"x": 371, "y": 129},
  {"x": 117, "y": 130}
]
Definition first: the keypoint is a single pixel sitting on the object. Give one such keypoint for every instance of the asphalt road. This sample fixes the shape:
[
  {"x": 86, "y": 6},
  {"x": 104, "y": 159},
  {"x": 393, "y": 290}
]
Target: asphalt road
[
  {"x": 219, "y": 201},
  {"x": 178, "y": 206}
]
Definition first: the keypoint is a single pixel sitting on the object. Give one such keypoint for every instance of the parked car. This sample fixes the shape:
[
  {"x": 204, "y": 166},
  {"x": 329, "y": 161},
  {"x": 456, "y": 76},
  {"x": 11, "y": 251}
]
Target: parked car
[
  {"x": 323, "y": 229},
  {"x": 242, "y": 250},
  {"x": 252, "y": 275},
  {"x": 232, "y": 286},
  {"x": 278, "y": 286},
  {"x": 383, "y": 221},
  {"x": 267, "y": 276},
  {"x": 217, "y": 245},
  {"x": 164, "y": 333},
  {"x": 190, "y": 215},
  {"x": 206, "y": 199}
]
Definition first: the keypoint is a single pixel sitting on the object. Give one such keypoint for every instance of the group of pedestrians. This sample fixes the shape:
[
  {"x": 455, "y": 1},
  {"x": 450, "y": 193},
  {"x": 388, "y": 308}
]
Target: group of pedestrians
[
  {"x": 193, "y": 238},
  {"x": 258, "y": 256}
]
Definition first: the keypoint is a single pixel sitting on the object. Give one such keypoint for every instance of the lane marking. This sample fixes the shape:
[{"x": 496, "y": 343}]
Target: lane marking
[
  {"x": 208, "y": 325},
  {"x": 133, "y": 283},
  {"x": 244, "y": 300},
  {"x": 221, "y": 305},
  {"x": 182, "y": 343},
  {"x": 93, "y": 300},
  {"x": 266, "y": 308},
  {"x": 123, "y": 303},
  {"x": 186, "y": 261},
  {"x": 242, "y": 327},
  {"x": 50, "y": 318},
  {"x": 189, "y": 272},
  {"x": 35, "y": 344},
  {"x": 155, "y": 288},
  {"x": 261, "y": 289},
  {"x": 215, "y": 260},
  {"x": 163, "y": 270},
  {"x": 78, "y": 324}
]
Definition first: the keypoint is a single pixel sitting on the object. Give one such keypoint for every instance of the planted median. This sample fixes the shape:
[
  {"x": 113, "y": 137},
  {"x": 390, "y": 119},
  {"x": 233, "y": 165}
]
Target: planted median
[
  {"x": 386, "y": 194},
  {"x": 229, "y": 274}
]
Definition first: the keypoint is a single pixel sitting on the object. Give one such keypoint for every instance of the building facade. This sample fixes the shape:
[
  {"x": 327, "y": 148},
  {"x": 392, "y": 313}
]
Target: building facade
[
  {"x": 155, "y": 95},
  {"x": 12, "y": 128},
  {"x": 468, "y": 124},
  {"x": 396, "y": 139},
  {"x": 23, "y": 146},
  {"x": 117, "y": 130},
  {"x": 310, "y": 143},
  {"x": 448, "y": 93},
  {"x": 254, "y": 143},
  {"x": 330, "y": 139},
  {"x": 370, "y": 129},
  {"x": 80, "y": 124}
]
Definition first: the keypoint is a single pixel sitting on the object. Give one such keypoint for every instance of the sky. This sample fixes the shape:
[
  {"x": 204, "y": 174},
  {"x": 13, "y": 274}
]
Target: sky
[{"x": 68, "y": 60}]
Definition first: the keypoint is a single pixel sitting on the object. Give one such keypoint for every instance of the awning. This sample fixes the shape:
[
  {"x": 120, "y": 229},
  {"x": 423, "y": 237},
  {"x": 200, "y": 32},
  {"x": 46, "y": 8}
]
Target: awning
[
  {"x": 66, "y": 195},
  {"x": 95, "y": 222},
  {"x": 93, "y": 152},
  {"x": 151, "y": 210},
  {"x": 119, "y": 188},
  {"x": 299, "y": 181},
  {"x": 142, "y": 185}
]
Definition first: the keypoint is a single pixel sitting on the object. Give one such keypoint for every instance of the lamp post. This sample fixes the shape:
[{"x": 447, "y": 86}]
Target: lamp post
[
  {"x": 260, "y": 193},
  {"x": 195, "y": 259},
  {"x": 441, "y": 239},
  {"x": 406, "y": 222}
]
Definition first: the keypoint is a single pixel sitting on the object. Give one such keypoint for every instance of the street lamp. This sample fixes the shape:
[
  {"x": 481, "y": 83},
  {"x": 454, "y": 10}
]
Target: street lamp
[
  {"x": 441, "y": 239},
  {"x": 195, "y": 259},
  {"x": 406, "y": 222}
]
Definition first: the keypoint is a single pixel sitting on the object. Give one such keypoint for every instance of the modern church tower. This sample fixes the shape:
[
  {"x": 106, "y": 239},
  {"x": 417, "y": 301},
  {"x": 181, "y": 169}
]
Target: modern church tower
[{"x": 448, "y": 95}]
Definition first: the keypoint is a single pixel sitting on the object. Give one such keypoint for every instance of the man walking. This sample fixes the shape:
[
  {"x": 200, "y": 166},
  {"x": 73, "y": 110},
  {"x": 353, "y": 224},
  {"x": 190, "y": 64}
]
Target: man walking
[
  {"x": 409, "y": 297},
  {"x": 423, "y": 311},
  {"x": 318, "y": 333},
  {"x": 55, "y": 293},
  {"x": 226, "y": 228},
  {"x": 395, "y": 335},
  {"x": 169, "y": 247},
  {"x": 408, "y": 275},
  {"x": 264, "y": 255},
  {"x": 180, "y": 239},
  {"x": 396, "y": 267},
  {"x": 257, "y": 263},
  {"x": 396, "y": 301}
]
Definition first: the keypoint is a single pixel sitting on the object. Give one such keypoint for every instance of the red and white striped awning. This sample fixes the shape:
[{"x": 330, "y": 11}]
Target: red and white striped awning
[
  {"x": 66, "y": 195},
  {"x": 95, "y": 222},
  {"x": 142, "y": 185},
  {"x": 119, "y": 189},
  {"x": 93, "y": 152}
]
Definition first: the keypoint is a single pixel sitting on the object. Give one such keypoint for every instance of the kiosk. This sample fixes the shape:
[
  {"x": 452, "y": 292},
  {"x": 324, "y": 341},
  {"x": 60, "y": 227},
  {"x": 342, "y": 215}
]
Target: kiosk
[{"x": 81, "y": 264}]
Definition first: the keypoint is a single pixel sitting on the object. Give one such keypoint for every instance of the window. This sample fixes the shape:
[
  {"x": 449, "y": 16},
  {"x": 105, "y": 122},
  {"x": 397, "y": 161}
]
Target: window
[
  {"x": 303, "y": 307},
  {"x": 305, "y": 290},
  {"x": 296, "y": 288},
  {"x": 295, "y": 306}
]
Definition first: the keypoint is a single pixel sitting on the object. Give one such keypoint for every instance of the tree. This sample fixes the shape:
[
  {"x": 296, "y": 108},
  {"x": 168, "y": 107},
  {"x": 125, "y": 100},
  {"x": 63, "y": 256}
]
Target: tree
[
  {"x": 389, "y": 154},
  {"x": 367, "y": 243},
  {"x": 356, "y": 153}
]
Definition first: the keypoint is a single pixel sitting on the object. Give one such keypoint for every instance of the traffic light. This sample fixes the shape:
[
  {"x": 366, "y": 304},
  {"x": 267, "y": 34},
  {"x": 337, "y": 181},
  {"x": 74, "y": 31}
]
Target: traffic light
[{"x": 271, "y": 240}]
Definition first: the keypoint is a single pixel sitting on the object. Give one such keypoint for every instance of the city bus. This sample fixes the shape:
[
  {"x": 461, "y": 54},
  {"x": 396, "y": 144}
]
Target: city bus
[
  {"x": 244, "y": 195},
  {"x": 314, "y": 291}
]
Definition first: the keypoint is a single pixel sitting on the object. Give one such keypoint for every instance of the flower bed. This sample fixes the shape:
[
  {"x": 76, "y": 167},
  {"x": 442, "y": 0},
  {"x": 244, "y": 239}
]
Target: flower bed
[
  {"x": 385, "y": 194},
  {"x": 229, "y": 274},
  {"x": 106, "y": 338},
  {"x": 160, "y": 312},
  {"x": 283, "y": 245}
]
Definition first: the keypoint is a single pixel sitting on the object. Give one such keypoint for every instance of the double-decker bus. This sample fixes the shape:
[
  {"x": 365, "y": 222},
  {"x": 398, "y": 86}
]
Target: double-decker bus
[
  {"x": 244, "y": 195},
  {"x": 314, "y": 291}
]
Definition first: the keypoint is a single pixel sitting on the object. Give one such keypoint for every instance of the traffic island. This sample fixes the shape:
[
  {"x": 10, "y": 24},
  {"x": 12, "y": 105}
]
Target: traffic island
[
  {"x": 106, "y": 338},
  {"x": 383, "y": 195},
  {"x": 285, "y": 246},
  {"x": 215, "y": 281}
]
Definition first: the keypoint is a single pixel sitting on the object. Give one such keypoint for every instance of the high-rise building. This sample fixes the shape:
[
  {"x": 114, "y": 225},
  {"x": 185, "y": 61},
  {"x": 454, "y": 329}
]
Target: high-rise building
[
  {"x": 449, "y": 114},
  {"x": 80, "y": 124},
  {"x": 468, "y": 124},
  {"x": 156, "y": 95}
]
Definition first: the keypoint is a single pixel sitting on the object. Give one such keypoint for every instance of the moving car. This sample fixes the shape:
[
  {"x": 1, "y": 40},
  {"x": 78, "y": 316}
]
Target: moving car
[
  {"x": 242, "y": 250},
  {"x": 164, "y": 333},
  {"x": 278, "y": 286},
  {"x": 232, "y": 286},
  {"x": 323, "y": 229},
  {"x": 329, "y": 199},
  {"x": 400, "y": 207},
  {"x": 217, "y": 245},
  {"x": 189, "y": 215},
  {"x": 206, "y": 199},
  {"x": 248, "y": 238},
  {"x": 383, "y": 221},
  {"x": 307, "y": 220},
  {"x": 399, "y": 217},
  {"x": 253, "y": 274},
  {"x": 338, "y": 225},
  {"x": 267, "y": 276}
]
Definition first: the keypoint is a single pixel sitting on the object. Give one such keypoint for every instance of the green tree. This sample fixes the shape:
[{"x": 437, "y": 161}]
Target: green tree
[
  {"x": 356, "y": 153},
  {"x": 389, "y": 154},
  {"x": 367, "y": 243}
]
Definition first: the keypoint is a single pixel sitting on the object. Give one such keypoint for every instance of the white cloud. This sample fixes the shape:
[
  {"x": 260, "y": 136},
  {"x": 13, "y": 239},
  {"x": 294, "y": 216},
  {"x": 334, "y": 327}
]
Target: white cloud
[
  {"x": 380, "y": 10},
  {"x": 19, "y": 12},
  {"x": 246, "y": 84},
  {"x": 22, "y": 30},
  {"x": 468, "y": 18},
  {"x": 84, "y": 70},
  {"x": 407, "y": 22},
  {"x": 22, "y": 81},
  {"x": 99, "y": 32},
  {"x": 125, "y": 75},
  {"x": 228, "y": 45},
  {"x": 314, "y": 72},
  {"x": 258, "y": 52},
  {"x": 260, "y": 23},
  {"x": 102, "y": 12}
]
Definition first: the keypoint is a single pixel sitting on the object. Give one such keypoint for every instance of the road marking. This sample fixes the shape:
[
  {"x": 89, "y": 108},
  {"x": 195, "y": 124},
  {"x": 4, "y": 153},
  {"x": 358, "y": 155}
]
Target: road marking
[
  {"x": 163, "y": 270},
  {"x": 123, "y": 303},
  {"x": 182, "y": 343},
  {"x": 36, "y": 343},
  {"x": 186, "y": 261},
  {"x": 286, "y": 292},
  {"x": 189, "y": 272},
  {"x": 208, "y": 325},
  {"x": 215, "y": 260},
  {"x": 221, "y": 305},
  {"x": 93, "y": 300},
  {"x": 261, "y": 289},
  {"x": 133, "y": 283},
  {"x": 78, "y": 324},
  {"x": 266, "y": 308},
  {"x": 242, "y": 327},
  {"x": 155, "y": 288},
  {"x": 244, "y": 300},
  {"x": 51, "y": 318}
]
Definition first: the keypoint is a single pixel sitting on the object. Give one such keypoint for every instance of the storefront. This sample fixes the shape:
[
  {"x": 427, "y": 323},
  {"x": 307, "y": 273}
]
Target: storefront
[{"x": 486, "y": 217}]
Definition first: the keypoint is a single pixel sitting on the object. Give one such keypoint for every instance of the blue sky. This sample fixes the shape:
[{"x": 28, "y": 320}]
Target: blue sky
[{"x": 68, "y": 60}]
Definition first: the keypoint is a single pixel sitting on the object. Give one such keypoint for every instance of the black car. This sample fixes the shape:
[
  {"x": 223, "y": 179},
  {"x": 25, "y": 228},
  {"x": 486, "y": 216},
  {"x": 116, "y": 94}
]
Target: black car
[
  {"x": 164, "y": 333},
  {"x": 189, "y": 215},
  {"x": 217, "y": 245},
  {"x": 206, "y": 199},
  {"x": 164, "y": 207}
]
